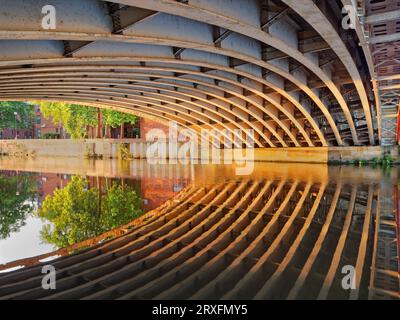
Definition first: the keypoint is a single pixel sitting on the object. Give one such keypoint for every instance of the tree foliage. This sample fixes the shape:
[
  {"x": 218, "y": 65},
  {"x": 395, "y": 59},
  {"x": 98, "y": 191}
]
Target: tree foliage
[
  {"x": 115, "y": 118},
  {"x": 78, "y": 212},
  {"x": 76, "y": 118},
  {"x": 17, "y": 194},
  {"x": 23, "y": 120}
]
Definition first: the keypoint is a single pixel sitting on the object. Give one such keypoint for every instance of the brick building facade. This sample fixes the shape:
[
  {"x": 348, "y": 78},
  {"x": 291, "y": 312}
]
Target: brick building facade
[
  {"x": 146, "y": 125},
  {"x": 43, "y": 127}
]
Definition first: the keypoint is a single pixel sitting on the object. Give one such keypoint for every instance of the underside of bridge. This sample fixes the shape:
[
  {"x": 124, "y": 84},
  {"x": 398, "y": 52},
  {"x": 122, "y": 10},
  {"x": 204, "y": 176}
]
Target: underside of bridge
[{"x": 287, "y": 69}]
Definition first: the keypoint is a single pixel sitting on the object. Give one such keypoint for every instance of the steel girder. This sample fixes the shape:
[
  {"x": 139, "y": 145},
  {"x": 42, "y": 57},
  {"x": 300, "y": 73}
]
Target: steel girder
[{"x": 375, "y": 25}]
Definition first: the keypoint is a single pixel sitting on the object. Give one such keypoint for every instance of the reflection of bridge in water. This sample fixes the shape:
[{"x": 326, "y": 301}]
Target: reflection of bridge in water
[{"x": 254, "y": 238}]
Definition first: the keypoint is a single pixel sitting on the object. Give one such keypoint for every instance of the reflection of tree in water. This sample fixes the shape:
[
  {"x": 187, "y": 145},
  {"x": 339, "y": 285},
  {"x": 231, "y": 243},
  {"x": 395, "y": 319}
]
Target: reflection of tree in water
[
  {"x": 17, "y": 193},
  {"x": 78, "y": 212}
]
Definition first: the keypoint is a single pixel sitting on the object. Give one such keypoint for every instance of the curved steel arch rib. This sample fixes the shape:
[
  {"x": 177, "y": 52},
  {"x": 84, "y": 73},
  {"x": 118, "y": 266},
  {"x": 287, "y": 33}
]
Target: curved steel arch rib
[
  {"x": 8, "y": 74},
  {"x": 146, "y": 110},
  {"x": 250, "y": 60},
  {"x": 156, "y": 79},
  {"x": 137, "y": 98},
  {"x": 215, "y": 14},
  {"x": 127, "y": 88}
]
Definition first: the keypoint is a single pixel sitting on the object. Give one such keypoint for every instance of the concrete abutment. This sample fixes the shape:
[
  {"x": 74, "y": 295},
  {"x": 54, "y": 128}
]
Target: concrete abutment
[{"x": 137, "y": 149}]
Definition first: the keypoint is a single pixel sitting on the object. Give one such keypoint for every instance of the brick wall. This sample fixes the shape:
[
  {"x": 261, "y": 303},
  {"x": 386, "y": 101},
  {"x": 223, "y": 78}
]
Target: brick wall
[{"x": 146, "y": 125}]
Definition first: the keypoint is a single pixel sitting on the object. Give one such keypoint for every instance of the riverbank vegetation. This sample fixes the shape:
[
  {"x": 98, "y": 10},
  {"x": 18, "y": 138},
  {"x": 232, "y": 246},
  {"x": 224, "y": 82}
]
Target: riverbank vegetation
[
  {"x": 16, "y": 114},
  {"x": 79, "y": 119},
  {"x": 384, "y": 161}
]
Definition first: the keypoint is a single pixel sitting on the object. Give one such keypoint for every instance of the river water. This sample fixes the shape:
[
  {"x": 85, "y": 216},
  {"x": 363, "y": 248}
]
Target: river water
[{"x": 49, "y": 203}]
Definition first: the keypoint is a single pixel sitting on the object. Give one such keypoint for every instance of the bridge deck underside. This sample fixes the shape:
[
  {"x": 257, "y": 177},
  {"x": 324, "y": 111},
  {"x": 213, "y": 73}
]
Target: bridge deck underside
[
  {"x": 282, "y": 69},
  {"x": 262, "y": 239}
]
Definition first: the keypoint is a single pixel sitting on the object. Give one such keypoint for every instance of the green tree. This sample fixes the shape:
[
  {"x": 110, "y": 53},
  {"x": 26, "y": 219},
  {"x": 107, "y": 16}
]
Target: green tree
[
  {"x": 24, "y": 118},
  {"x": 116, "y": 119},
  {"x": 78, "y": 212},
  {"x": 74, "y": 118},
  {"x": 77, "y": 118},
  {"x": 17, "y": 194}
]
